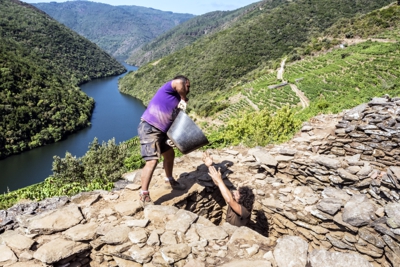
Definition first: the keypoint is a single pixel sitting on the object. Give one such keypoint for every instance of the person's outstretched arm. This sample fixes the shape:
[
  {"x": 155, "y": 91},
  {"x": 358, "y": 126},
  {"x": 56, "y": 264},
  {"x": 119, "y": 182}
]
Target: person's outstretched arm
[{"x": 226, "y": 194}]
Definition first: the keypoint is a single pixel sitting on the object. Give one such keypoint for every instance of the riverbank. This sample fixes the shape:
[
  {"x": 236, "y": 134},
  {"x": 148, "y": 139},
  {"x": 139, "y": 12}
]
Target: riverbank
[{"x": 115, "y": 115}]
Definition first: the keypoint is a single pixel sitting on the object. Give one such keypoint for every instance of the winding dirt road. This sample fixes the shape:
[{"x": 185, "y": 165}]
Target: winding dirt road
[{"x": 303, "y": 99}]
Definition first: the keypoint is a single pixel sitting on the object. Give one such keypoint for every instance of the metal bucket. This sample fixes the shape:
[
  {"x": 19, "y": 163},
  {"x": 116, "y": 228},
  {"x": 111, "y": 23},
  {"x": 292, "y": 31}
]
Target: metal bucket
[{"x": 185, "y": 134}]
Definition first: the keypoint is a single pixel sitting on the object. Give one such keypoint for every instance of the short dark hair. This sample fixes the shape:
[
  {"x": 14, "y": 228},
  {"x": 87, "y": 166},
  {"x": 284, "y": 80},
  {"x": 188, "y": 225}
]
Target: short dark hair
[
  {"x": 181, "y": 77},
  {"x": 246, "y": 197}
]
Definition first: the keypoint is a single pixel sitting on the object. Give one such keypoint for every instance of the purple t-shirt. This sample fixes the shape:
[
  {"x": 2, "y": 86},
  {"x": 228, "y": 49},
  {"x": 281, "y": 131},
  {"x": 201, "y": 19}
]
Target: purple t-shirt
[{"x": 160, "y": 110}]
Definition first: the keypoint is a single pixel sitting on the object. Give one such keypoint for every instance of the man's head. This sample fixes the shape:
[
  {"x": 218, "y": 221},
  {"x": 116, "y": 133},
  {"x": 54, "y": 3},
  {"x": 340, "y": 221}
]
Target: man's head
[
  {"x": 244, "y": 196},
  {"x": 185, "y": 81}
]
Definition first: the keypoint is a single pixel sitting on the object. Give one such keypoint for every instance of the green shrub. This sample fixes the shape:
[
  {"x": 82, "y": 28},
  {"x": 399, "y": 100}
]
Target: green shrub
[
  {"x": 257, "y": 128},
  {"x": 97, "y": 169}
]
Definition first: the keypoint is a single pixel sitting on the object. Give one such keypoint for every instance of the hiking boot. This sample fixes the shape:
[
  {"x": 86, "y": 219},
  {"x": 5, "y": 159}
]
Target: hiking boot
[
  {"x": 174, "y": 185},
  {"x": 144, "y": 198}
]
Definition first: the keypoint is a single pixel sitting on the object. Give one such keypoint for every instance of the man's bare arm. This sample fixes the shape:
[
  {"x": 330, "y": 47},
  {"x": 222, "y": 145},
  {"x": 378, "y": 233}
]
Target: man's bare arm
[{"x": 226, "y": 194}]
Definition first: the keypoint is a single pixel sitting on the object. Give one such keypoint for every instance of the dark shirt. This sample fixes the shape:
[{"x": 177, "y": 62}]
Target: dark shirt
[{"x": 235, "y": 219}]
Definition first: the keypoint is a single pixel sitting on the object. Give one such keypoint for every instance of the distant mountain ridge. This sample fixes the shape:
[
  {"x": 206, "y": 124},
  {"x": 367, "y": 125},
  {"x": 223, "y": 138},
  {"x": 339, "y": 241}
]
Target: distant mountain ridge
[
  {"x": 117, "y": 29},
  {"x": 42, "y": 62},
  {"x": 187, "y": 33}
]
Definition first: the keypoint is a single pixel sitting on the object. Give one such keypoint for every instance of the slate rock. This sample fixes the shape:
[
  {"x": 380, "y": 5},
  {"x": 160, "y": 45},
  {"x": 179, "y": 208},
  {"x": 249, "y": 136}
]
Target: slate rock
[
  {"x": 393, "y": 212},
  {"x": 323, "y": 258},
  {"x": 291, "y": 251},
  {"x": 7, "y": 256},
  {"x": 359, "y": 211},
  {"x": 174, "y": 253},
  {"x": 330, "y": 205},
  {"x": 264, "y": 157},
  {"x": 54, "y": 220},
  {"x": 59, "y": 249}
]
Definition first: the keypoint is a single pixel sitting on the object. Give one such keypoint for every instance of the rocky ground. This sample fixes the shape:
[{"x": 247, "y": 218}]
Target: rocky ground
[{"x": 329, "y": 197}]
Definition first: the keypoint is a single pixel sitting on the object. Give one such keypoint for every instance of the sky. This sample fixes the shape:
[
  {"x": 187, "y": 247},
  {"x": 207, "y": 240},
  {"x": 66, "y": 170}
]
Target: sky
[{"x": 196, "y": 7}]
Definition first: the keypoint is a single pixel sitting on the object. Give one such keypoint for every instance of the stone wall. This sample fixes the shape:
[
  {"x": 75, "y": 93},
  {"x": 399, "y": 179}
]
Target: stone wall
[{"x": 346, "y": 195}]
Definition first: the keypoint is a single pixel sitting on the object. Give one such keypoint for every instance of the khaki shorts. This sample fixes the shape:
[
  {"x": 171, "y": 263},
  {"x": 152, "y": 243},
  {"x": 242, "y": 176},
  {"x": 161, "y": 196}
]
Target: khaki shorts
[{"x": 152, "y": 141}]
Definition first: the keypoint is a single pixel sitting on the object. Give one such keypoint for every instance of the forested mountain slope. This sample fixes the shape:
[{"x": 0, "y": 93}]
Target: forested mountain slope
[
  {"x": 187, "y": 33},
  {"x": 336, "y": 72},
  {"x": 215, "y": 62},
  {"x": 116, "y": 29},
  {"x": 41, "y": 64}
]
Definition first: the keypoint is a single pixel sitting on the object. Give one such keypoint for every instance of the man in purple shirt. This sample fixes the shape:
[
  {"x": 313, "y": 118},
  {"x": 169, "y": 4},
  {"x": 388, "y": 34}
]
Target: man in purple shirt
[{"x": 152, "y": 131}]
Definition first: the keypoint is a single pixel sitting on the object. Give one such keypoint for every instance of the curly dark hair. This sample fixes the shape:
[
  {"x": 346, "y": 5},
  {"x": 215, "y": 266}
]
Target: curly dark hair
[
  {"x": 182, "y": 78},
  {"x": 246, "y": 197}
]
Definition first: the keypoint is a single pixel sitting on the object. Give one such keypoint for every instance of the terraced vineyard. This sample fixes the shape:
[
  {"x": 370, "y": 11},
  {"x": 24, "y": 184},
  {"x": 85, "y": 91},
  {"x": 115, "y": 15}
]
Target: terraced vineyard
[
  {"x": 389, "y": 34},
  {"x": 234, "y": 110},
  {"x": 257, "y": 95},
  {"x": 260, "y": 94},
  {"x": 347, "y": 77},
  {"x": 273, "y": 98}
]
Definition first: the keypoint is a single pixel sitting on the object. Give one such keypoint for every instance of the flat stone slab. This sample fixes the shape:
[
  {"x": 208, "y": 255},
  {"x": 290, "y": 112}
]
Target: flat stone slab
[
  {"x": 82, "y": 232},
  {"x": 330, "y": 163},
  {"x": 358, "y": 211},
  {"x": 137, "y": 223},
  {"x": 244, "y": 235},
  {"x": 291, "y": 251},
  {"x": 128, "y": 208},
  {"x": 323, "y": 258},
  {"x": 242, "y": 263},
  {"x": 330, "y": 205},
  {"x": 126, "y": 263},
  {"x": 175, "y": 253},
  {"x": 393, "y": 212},
  {"x": 117, "y": 235},
  {"x": 181, "y": 221},
  {"x": 16, "y": 241},
  {"x": 59, "y": 249},
  {"x": 7, "y": 256},
  {"x": 27, "y": 264},
  {"x": 265, "y": 158},
  {"x": 55, "y": 220},
  {"x": 212, "y": 232},
  {"x": 85, "y": 199},
  {"x": 158, "y": 213}
]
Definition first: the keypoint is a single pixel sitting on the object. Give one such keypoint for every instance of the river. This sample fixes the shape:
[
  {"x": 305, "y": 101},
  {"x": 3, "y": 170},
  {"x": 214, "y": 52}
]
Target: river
[{"x": 115, "y": 116}]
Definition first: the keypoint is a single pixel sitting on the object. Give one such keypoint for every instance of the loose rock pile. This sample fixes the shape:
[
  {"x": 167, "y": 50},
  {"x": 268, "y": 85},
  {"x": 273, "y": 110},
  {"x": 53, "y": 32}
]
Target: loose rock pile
[{"x": 329, "y": 197}]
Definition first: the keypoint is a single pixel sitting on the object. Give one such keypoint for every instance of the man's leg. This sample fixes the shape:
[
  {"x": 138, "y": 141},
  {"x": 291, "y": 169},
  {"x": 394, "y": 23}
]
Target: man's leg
[
  {"x": 169, "y": 157},
  {"x": 147, "y": 173}
]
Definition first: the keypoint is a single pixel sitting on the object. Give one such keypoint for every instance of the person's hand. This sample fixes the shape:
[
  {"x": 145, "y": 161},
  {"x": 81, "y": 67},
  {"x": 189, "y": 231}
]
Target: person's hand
[
  {"x": 207, "y": 159},
  {"x": 215, "y": 175},
  {"x": 182, "y": 105}
]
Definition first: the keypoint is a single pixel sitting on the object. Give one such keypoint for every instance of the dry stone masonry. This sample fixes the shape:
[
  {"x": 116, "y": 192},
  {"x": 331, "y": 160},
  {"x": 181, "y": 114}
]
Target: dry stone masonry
[{"x": 328, "y": 198}]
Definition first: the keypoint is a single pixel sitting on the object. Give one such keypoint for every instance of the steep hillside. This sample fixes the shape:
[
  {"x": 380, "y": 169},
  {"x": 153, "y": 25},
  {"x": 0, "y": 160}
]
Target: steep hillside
[
  {"x": 336, "y": 77},
  {"x": 116, "y": 29},
  {"x": 215, "y": 62},
  {"x": 41, "y": 64},
  {"x": 186, "y": 33},
  {"x": 382, "y": 23}
]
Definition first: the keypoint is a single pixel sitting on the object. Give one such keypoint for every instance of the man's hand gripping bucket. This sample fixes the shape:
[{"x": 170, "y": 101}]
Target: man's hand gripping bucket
[{"x": 185, "y": 134}]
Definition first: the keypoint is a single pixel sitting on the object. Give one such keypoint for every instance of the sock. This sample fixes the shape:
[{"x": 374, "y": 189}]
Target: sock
[
  {"x": 144, "y": 192},
  {"x": 167, "y": 179}
]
